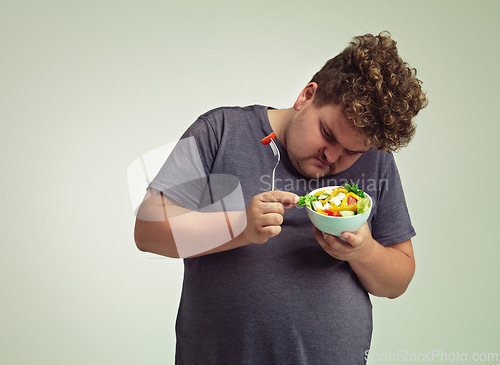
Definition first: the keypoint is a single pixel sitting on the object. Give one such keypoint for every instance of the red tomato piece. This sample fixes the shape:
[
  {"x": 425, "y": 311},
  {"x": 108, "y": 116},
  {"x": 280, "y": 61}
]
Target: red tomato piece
[
  {"x": 332, "y": 213},
  {"x": 351, "y": 200},
  {"x": 268, "y": 139}
]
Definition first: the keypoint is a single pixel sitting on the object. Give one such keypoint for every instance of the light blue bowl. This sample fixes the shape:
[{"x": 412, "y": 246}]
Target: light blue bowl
[{"x": 337, "y": 225}]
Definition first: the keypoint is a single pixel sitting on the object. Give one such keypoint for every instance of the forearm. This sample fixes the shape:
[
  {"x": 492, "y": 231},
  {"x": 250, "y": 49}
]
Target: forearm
[
  {"x": 385, "y": 271},
  {"x": 165, "y": 228},
  {"x": 189, "y": 235}
]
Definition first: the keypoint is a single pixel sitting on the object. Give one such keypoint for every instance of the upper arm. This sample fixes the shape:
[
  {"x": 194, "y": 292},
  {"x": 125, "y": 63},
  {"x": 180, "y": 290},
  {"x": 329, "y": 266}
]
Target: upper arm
[{"x": 405, "y": 246}]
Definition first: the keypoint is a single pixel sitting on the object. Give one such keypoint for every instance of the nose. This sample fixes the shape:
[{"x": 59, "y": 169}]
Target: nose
[{"x": 333, "y": 152}]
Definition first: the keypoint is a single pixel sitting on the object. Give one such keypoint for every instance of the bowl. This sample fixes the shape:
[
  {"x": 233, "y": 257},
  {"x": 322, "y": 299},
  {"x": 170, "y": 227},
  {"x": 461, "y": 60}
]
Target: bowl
[{"x": 337, "y": 225}]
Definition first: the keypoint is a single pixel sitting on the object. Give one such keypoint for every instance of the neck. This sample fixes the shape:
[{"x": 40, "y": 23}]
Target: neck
[{"x": 279, "y": 119}]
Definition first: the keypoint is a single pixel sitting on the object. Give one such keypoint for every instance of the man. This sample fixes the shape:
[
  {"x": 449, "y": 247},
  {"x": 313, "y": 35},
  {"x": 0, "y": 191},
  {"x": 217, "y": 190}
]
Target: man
[{"x": 273, "y": 292}]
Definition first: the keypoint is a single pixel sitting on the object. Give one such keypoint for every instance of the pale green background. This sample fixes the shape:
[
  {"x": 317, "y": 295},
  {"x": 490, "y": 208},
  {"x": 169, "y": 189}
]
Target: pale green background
[{"x": 88, "y": 86}]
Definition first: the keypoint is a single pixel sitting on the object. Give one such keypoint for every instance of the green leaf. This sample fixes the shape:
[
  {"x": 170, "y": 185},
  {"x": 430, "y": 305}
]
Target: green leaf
[
  {"x": 354, "y": 189},
  {"x": 306, "y": 200}
]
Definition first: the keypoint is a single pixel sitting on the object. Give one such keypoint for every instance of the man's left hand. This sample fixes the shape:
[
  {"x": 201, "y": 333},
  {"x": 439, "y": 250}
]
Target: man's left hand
[{"x": 352, "y": 246}]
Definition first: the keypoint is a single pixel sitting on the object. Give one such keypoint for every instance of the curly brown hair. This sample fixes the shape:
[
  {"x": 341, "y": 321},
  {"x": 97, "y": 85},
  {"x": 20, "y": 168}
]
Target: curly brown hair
[{"x": 379, "y": 92}]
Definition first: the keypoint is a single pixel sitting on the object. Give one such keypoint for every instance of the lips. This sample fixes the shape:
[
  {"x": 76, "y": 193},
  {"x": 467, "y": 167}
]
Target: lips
[{"x": 322, "y": 163}]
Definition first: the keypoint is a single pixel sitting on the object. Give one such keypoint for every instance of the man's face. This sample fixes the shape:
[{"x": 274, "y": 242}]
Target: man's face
[{"x": 321, "y": 141}]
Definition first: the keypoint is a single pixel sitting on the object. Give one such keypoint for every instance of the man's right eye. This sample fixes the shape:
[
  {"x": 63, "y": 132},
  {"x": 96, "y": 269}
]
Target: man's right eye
[{"x": 327, "y": 136}]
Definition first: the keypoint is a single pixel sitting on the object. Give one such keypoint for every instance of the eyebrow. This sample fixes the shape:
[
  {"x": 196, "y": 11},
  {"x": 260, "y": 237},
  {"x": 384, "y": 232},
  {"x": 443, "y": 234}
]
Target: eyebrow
[{"x": 334, "y": 137}]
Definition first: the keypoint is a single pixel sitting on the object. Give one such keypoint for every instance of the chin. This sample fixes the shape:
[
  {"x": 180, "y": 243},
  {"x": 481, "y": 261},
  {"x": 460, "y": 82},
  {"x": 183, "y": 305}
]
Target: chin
[{"x": 321, "y": 175}]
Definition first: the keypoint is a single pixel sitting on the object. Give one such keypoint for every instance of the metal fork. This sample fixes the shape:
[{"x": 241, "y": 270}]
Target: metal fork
[{"x": 270, "y": 141}]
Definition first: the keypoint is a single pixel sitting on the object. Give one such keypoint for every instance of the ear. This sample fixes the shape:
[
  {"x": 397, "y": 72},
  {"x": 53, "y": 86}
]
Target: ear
[{"x": 306, "y": 96}]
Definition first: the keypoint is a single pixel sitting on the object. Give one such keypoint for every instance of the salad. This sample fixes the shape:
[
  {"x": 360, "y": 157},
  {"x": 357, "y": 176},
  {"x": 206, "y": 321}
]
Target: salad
[{"x": 341, "y": 201}]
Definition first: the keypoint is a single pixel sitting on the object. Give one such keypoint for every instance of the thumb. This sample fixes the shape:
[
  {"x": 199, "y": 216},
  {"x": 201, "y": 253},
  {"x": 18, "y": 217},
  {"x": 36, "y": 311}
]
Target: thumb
[
  {"x": 287, "y": 198},
  {"x": 351, "y": 238}
]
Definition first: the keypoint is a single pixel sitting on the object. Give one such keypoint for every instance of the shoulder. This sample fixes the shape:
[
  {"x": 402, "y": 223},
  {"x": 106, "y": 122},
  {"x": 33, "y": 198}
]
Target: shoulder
[
  {"x": 376, "y": 160},
  {"x": 225, "y": 113},
  {"x": 218, "y": 119},
  {"x": 373, "y": 170},
  {"x": 378, "y": 155},
  {"x": 235, "y": 120},
  {"x": 231, "y": 124}
]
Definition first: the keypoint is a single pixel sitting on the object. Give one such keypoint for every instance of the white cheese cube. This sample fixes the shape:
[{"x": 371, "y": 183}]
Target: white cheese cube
[
  {"x": 337, "y": 199},
  {"x": 317, "y": 205}
]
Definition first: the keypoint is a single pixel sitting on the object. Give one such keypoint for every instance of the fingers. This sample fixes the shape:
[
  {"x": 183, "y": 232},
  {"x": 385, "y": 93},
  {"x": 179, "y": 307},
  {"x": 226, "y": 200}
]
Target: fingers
[
  {"x": 287, "y": 199},
  {"x": 327, "y": 242},
  {"x": 266, "y": 232},
  {"x": 357, "y": 238},
  {"x": 350, "y": 238},
  {"x": 267, "y": 208},
  {"x": 263, "y": 225},
  {"x": 265, "y": 215},
  {"x": 276, "y": 201},
  {"x": 351, "y": 246}
]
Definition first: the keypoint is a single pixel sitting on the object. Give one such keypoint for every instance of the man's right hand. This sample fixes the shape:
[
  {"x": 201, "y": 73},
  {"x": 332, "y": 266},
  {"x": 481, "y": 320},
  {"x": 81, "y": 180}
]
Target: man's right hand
[{"x": 265, "y": 215}]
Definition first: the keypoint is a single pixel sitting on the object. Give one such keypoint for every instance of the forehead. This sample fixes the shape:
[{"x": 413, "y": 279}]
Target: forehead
[{"x": 346, "y": 134}]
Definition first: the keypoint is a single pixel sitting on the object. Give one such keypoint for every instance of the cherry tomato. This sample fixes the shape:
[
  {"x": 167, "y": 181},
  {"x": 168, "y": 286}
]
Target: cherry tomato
[
  {"x": 332, "y": 213},
  {"x": 351, "y": 200},
  {"x": 268, "y": 139}
]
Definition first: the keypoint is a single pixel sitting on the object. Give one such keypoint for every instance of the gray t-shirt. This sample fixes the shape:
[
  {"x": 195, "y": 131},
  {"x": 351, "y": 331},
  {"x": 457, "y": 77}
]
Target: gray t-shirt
[{"x": 286, "y": 301}]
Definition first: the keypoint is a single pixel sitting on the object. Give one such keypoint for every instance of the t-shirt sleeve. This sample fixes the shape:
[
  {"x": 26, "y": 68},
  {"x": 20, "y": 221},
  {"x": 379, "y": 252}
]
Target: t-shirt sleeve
[
  {"x": 184, "y": 175},
  {"x": 391, "y": 224}
]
